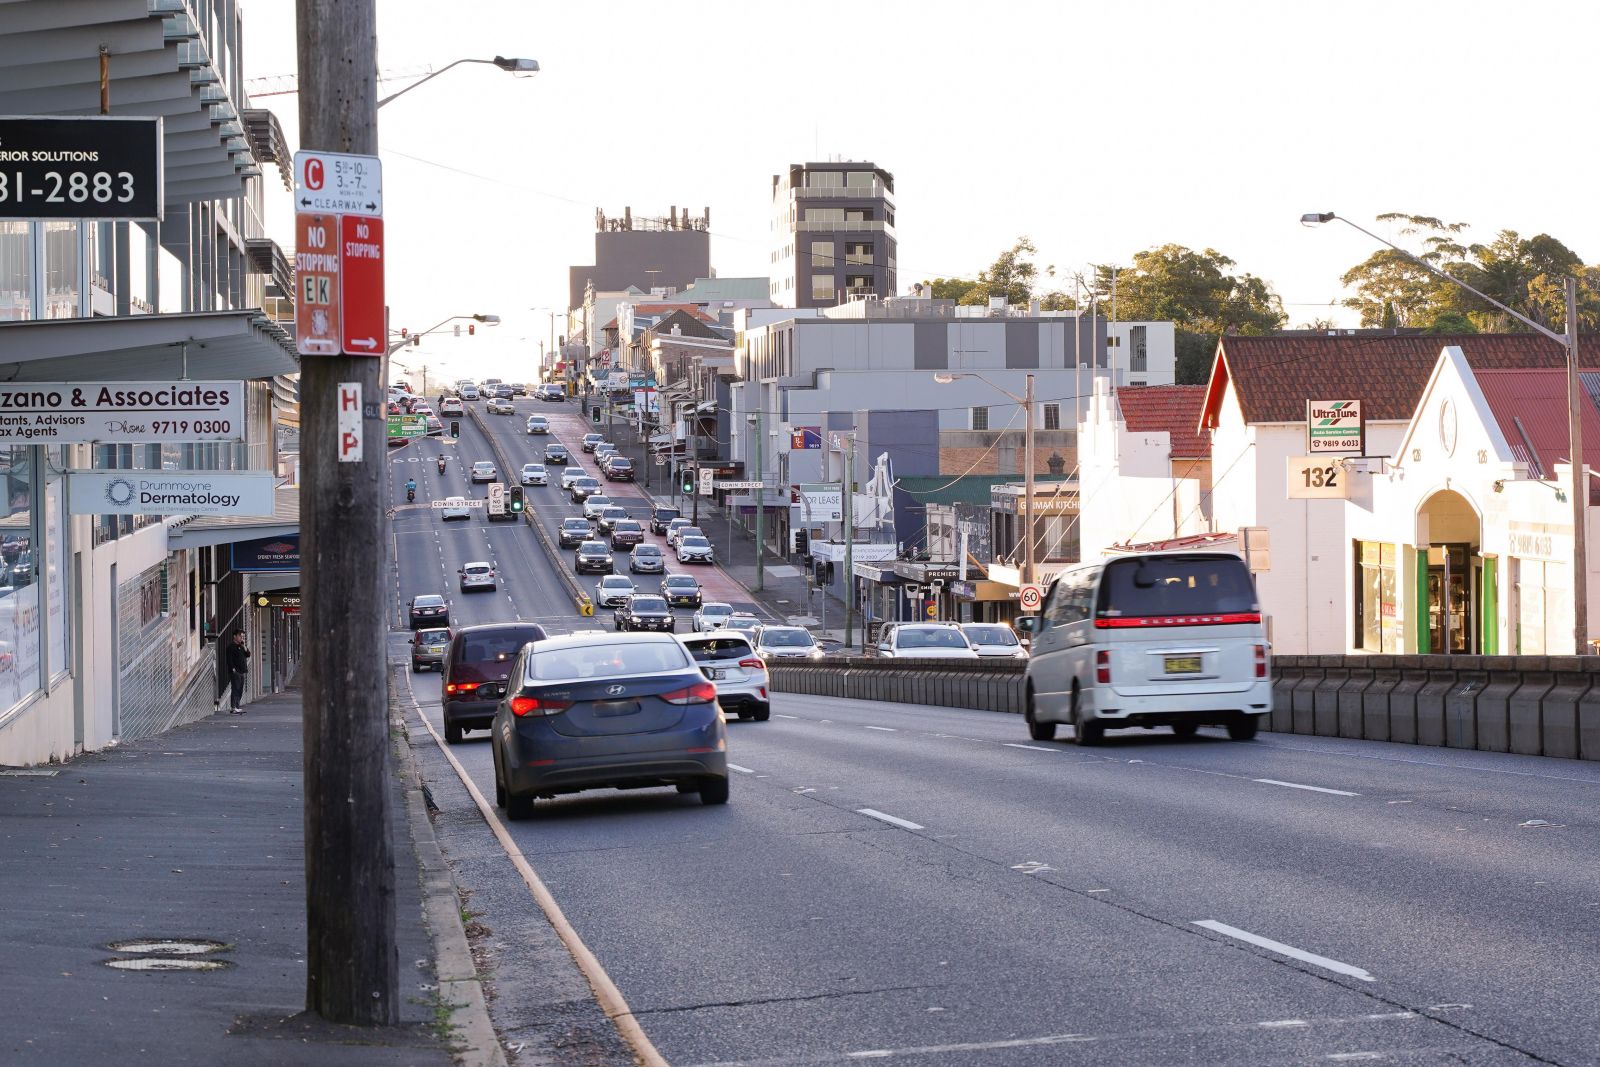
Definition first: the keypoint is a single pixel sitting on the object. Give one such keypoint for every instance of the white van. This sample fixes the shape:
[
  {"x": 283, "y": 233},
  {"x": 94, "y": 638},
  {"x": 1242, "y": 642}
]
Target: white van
[{"x": 1159, "y": 639}]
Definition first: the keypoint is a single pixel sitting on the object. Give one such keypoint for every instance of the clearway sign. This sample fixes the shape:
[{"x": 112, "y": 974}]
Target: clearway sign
[
  {"x": 339, "y": 302},
  {"x": 131, "y": 492},
  {"x": 337, "y": 183},
  {"x": 58, "y": 413}
]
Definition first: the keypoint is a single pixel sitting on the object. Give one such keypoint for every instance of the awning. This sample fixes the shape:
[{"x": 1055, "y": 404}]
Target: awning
[
  {"x": 215, "y": 345},
  {"x": 161, "y": 64},
  {"x": 206, "y": 530}
]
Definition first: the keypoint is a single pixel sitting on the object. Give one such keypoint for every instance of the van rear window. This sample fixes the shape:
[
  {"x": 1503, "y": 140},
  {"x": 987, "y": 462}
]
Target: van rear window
[{"x": 1172, "y": 586}]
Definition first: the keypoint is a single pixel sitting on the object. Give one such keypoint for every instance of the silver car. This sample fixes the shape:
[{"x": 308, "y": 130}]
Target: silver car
[
  {"x": 695, "y": 550},
  {"x": 478, "y": 576},
  {"x": 734, "y": 668},
  {"x": 785, "y": 642},
  {"x": 712, "y": 616},
  {"x": 483, "y": 471},
  {"x": 994, "y": 640},
  {"x": 647, "y": 559},
  {"x": 534, "y": 474},
  {"x": 612, "y": 590}
]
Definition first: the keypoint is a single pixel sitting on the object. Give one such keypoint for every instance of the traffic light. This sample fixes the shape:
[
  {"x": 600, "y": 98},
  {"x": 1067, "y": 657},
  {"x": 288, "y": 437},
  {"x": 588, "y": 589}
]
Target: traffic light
[
  {"x": 688, "y": 481},
  {"x": 416, "y": 340},
  {"x": 455, "y": 428},
  {"x": 515, "y": 501},
  {"x": 472, "y": 328},
  {"x": 802, "y": 542}
]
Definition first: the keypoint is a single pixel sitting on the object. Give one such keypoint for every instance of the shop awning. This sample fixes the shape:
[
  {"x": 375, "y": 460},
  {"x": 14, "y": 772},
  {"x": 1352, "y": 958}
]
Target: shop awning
[
  {"x": 206, "y": 530},
  {"x": 204, "y": 345}
]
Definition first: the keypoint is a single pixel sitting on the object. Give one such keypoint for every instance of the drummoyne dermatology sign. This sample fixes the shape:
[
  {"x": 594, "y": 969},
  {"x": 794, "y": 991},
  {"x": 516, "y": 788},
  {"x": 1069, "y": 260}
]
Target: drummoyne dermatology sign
[{"x": 133, "y": 492}]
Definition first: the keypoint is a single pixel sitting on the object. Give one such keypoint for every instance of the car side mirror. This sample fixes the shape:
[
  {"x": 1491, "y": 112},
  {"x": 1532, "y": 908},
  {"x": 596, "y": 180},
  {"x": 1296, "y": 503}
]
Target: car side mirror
[{"x": 1029, "y": 624}]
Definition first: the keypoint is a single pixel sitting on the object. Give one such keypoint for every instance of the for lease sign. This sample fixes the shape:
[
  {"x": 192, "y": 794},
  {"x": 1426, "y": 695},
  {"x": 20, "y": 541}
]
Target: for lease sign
[{"x": 58, "y": 413}]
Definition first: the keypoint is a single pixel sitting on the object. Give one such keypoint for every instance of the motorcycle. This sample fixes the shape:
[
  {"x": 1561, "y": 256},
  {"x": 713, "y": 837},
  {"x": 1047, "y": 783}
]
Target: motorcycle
[
  {"x": 411, "y": 496},
  {"x": 441, "y": 464}
]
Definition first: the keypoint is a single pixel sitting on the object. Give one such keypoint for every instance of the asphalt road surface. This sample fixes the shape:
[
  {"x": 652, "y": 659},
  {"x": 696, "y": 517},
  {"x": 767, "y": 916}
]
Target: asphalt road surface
[{"x": 926, "y": 885}]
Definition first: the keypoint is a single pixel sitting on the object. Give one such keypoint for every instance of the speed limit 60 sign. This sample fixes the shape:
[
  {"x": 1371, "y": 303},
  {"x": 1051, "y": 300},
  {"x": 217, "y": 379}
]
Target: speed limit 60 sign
[{"x": 1031, "y": 597}]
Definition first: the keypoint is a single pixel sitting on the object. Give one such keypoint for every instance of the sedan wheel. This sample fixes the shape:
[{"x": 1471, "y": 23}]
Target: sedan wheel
[{"x": 714, "y": 791}]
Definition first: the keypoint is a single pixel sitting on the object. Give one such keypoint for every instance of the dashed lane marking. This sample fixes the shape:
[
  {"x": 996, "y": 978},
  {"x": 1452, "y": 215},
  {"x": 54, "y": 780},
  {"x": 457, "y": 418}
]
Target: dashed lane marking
[
  {"x": 904, "y": 824},
  {"x": 1307, "y": 788},
  {"x": 1282, "y": 949}
]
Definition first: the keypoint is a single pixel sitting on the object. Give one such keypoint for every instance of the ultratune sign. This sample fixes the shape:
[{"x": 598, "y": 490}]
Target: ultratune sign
[
  {"x": 59, "y": 413},
  {"x": 133, "y": 492},
  {"x": 1335, "y": 427}
]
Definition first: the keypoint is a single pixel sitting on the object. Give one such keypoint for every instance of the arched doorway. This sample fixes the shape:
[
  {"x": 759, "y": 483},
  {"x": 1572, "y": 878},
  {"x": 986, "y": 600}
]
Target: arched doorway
[{"x": 1455, "y": 585}]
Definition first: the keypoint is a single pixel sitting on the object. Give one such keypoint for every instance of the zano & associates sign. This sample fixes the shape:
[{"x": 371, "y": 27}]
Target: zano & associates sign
[{"x": 170, "y": 412}]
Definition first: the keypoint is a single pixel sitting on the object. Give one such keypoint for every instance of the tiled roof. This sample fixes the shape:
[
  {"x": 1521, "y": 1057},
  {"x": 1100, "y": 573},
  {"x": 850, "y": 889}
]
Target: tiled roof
[
  {"x": 663, "y": 309},
  {"x": 1530, "y": 407},
  {"x": 1173, "y": 409},
  {"x": 1275, "y": 376}
]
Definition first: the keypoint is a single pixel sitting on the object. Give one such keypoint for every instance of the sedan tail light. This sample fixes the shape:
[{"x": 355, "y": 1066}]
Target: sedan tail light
[
  {"x": 524, "y": 705},
  {"x": 698, "y": 693},
  {"x": 1102, "y": 667}
]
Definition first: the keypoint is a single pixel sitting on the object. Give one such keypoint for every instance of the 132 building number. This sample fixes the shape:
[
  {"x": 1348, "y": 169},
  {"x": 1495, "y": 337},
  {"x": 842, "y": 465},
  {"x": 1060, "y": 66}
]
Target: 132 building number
[{"x": 1321, "y": 477}]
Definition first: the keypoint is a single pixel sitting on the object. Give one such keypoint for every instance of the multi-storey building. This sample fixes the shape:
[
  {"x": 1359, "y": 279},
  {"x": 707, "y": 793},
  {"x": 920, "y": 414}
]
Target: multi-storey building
[{"x": 833, "y": 234}]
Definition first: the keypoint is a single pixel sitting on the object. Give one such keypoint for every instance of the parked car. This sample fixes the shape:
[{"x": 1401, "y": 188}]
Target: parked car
[
  {"x": 538, "y": 424},
  {"x": 660, "y": 516},
  {"x": 923, "y": 640},
  {"x": 475, "y": 671},
  {"x": 681, "y": 591},
  {"x": 713, "y": 615},
  {"x": 644, "y": 611},
  {"x": 646, "y": 559},
  {"x": 454, "y": 507},
  {"x": 534, "y": 474},
  {"x": 428, "y": 649},
  {"x": 620, "y": 469},
  {"x": 554, "y": 452},
  {"x": 429, "y": 611},
  {"x": 607, "y": 517},
  {"x": 993, "y": 639},
  {"x": 477, "y": 577},
  {"x": 626, "y": 533},
  {"x": 785, "y": 642},
  {"x": 483, "y": 471},
  {"x": 592, "y": 439},
  {"x": 1167, "y": 639},
  {"x": 695, "y": 550},
  {"x": 593, "y": 557},
  {"x": 551, "y": 736},
  {"x": 740, "y": 675},
  {"x": 612, "y": 590},
  {"x": 501, "y": 405},
  {"x": 573, "y": 532}
]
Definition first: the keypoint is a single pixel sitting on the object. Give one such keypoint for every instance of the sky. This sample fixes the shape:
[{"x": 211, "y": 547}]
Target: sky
[{"x": 1097, "y": 130}]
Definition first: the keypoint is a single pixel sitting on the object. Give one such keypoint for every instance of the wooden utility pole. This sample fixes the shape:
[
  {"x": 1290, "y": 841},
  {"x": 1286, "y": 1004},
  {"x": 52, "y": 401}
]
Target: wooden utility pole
[{"x": 352, "y": 966}]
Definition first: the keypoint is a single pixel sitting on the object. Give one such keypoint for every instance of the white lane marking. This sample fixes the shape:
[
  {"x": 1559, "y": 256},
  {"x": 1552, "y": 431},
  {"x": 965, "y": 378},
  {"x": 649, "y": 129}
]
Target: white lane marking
[
  {"x": 885, "y": 729},
  {"x": 1030, "y": 748},
  {"x": 974, "y": 1046},
  {"x": 780, "y": 715},
  {"x": 904, "y": 824},
  {"x": 1285, "y": 950},
  {"x": 1346, "y": 1056},
  {"x": 1391, "y": 1015},
  {"x": 741, "y": 770},
  {"x": 1284, "y": 1022},
  {"x": 1308, "y": 788}
]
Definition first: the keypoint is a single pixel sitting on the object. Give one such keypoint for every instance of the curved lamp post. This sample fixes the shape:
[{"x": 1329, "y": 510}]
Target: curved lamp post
[{"x": 513, "y": 66}]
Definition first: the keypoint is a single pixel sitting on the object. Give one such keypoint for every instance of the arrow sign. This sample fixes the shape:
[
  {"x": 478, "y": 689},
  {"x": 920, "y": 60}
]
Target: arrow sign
[
  {"x": 364, "y": 342},
  {"x": 361, "y": 254}
]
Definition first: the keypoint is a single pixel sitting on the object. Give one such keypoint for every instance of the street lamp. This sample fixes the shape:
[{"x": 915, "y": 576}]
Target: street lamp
[
  {"x": 1026, "y": 400},
  {"x": 1568, "y": 341},
  {"x": 514, "y": 66}
]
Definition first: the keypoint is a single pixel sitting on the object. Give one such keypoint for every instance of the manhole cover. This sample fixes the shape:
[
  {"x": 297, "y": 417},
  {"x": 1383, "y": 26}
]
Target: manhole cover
[
  {"x": 166, "y": 963},
  {"x": 169, "y": 946}
]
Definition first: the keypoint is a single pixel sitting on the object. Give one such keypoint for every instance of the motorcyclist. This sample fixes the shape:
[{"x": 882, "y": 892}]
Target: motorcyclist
[
  {"x": 441, "y": 464},
  {"x": 411, "y": 489}
]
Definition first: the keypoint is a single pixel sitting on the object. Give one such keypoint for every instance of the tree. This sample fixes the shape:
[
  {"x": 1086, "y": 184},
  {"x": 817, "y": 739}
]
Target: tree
[
  {"x": 1392, "y": 290},
  {"x": 950, "y": 288},
  {"x": 1011, "y": 275}
]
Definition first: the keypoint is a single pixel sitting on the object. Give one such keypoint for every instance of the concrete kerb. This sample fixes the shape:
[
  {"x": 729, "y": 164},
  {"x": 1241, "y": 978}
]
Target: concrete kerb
[
  {"x": 1524, "y": 707},
  {"x": 473, "y": 1038}
]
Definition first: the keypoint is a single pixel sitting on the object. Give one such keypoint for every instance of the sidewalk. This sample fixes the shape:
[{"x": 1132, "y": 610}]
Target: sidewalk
[{"x": 197, "y": 834}]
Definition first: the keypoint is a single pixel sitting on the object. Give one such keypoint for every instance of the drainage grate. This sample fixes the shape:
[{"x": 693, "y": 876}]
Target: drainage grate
[
  {"x": 166, "y": 963},
  {"x": 170, "y": 946},
  {"x": 167, "y": 954}
]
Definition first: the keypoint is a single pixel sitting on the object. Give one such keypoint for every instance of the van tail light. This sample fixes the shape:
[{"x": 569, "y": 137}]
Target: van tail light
[
  {"x": 461, "y": 687},
  {"x": 521, "y": 706},
  {"x": 698, "y": 693},
  {"x": 754, "y": 664},
  {"x": 1102, "y": 667},
  {"x": 1145, "y": 622},
  {"x": 1261, "y": 661}
]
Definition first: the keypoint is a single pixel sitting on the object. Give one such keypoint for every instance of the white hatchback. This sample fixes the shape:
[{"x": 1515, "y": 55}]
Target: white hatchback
[
  {"x": 534, "y": 474},
  {"x": 734, "y": 668},
  {"x": 476, "y": 577}
]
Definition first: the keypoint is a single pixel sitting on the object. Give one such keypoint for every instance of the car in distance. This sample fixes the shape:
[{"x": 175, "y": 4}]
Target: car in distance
[
  {"x": 923, "y": 640},
  {"x": 740, "y": 675},
  {"x": 677, "y": 535},
  {"x": 673, "y": 526},
  {"x": 681, "y": 591},
  {"x": 607, "y": 518},
  {"x": 483, "y": 471},
  {"x": 593, "y": 557},
  {"x": 475, "y": 670},
  {"x": 477, "y": 576},
  {"x": 584, "y": 487},
  {"x": 646, "y": 559},
  {"x": 713, "y": 615},
  {"x": 451, "y": 405},
  {"x": 469, "y": 391},
  {"x": 534, "y": 474},
  {"x": 745, "y": 623},
  {"x": 618, "y": 712},
  {"x": 538, "y": 424},
  {"x": 428, "y": 649},
  {"x": 993, "y": 640},
  {"x": 571, "y": 474},
  {"x": 785, "y": 642},
  {"x": 519, "y": 389},
  {"x": 626, "y": 533},
  {"x": 434, "y": 426},
  {"x": 592, "y": 439},
  {"x": 429, "y": 611},
  {"x": 454, "y": 507},
  {"x": 501, "y": 405},
  {"x": 555, "y": 452},
  {"x": 593, "y": 503},
  {"x": 612, "y": 590},
  {"x": 620, "y": 469},
  {"x": 644, "y": 611},
  {"x": 695, "y": 550},
  {"x": 660, "y": 516},
  {"x": 573, "y": 532},
  {"x": 552, "y": 392}
]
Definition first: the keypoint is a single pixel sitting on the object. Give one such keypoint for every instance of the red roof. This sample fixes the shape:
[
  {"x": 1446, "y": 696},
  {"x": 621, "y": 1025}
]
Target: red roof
[
  {"x": 1173, "y": 409},
  {"x": 659, "y": 309},
  {"x": 1530, "y": 407}
]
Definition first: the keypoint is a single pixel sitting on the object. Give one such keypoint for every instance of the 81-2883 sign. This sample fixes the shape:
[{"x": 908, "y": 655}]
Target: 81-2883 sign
[{"x": 91, "y": 167}]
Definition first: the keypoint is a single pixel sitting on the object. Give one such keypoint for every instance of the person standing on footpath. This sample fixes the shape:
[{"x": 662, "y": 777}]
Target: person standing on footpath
[{"x": 238, "y": 667}]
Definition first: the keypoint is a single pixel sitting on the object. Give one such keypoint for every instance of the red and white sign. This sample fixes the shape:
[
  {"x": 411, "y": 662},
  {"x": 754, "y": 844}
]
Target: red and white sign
[
  {"x": 349, "y": 422},
  {"x": 361, "y": 285},
  {"x": 1031, "y": 597},
  {"x": 316, "y": 282}
]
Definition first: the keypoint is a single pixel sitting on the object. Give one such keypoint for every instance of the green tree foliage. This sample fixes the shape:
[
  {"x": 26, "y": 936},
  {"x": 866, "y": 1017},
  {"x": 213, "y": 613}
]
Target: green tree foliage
[
  {"x": 1012, "y": 275},
  {"x": 950, "y": 288}
]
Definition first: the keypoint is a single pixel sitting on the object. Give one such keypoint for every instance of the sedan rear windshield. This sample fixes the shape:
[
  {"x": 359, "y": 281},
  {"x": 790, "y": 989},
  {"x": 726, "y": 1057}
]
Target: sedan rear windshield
[
  {"x": 429, "y": 601},
  {"x": 715, "y": 648},
  {"x": 1176, "y": 585},
  {"x": 941, "y": 638},
  {"x": 574, "y": 663}
]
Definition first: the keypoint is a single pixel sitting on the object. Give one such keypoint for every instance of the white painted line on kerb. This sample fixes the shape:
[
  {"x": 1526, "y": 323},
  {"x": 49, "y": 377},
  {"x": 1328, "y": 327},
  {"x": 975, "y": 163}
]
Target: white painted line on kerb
[
  {"x": 1030, "y": 748},
  {"x": 885, "y": 729},
  {"x": 904, "y": 824},
  {"x": 741, "y": 770},
  {"x": 1285, "y": 950},
  {"x": 1308, "y": 788}
]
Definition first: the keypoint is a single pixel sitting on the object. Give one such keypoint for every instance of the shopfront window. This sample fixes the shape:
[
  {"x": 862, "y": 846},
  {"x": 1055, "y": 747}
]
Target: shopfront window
[
  {"x": 16, "y": 270},
  {"x": 61, "y": 266},
  {"x": 1377, "y": 626},
  {"x": 55, "y": 569},
  {"x": 19, "y": 580}
]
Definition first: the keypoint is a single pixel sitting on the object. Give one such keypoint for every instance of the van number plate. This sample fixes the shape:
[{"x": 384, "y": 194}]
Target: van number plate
[{"x": 1183, "y": 664}]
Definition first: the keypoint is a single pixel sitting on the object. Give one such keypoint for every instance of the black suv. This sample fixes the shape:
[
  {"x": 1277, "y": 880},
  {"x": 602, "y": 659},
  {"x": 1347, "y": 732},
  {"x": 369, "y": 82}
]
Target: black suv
[
  {"x": 475, "y": 672},
  {"x": 594, "y": 557},
  {"x": 644, "y": 611},
  {"x": 660, "y": 515},
  {"x": 574, "y": 532},
  {"x": 555, "y": 453}
]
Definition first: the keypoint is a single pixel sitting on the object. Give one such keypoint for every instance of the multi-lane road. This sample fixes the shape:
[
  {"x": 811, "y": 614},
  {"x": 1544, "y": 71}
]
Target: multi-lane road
[{"x": 927, "y": 885}]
